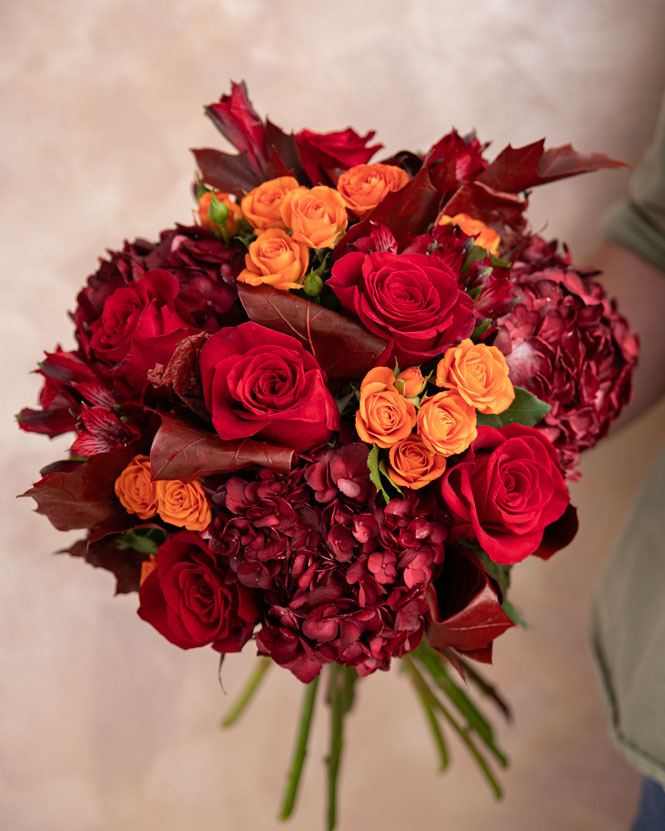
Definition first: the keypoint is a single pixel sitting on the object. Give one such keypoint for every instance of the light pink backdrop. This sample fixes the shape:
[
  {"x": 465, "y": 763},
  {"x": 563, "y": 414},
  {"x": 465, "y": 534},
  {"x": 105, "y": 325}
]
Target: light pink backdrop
[{"x": 105, "y": 726}]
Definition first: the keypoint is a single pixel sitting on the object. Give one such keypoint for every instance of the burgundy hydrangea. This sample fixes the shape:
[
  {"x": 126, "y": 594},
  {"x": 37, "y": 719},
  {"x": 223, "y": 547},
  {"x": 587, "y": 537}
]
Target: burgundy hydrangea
[
  {"x": 566, "y": 343},
  {"x": 343, "y": 575}
]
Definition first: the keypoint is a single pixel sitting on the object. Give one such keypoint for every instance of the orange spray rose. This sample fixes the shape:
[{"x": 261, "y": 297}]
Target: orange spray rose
[
  {"x": 384, "y": 416},
  {"x": 317, "y": 216},
  {"x": 365, "y": 185},
  {"x": 183, "y": 503},
  {"x": 410, "y": 382},
  {"x": 261, "y": 206},
  {"x": 446, "y": 423},
  {"x": 413, "y": 465},
  {"x": 479, "y": 373},
  {"x": 276, "y": 259},
  {"x": 135, "y": 488},
  {"x": 485, "y": 237}
]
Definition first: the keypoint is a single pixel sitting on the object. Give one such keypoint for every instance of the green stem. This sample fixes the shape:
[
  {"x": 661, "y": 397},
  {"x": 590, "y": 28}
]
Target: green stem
[
  {"x": 435, "y": 727},
  {"x": 461, "y": 732},
  {"x": 337, "y": 701},
  {"x": 300, "y": 750},
  {"x": 247, "y": 693}
]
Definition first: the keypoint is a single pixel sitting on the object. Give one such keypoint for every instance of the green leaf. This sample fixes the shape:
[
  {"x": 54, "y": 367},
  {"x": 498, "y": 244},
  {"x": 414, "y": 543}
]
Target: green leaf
[
  {"x": 434, "y": 726},
  {"x": 383, "y": 469},
  {"x": 480, "y": 329},
  {"x": 201, "y": 189},
  {"x": 143, "y": 540},
  {"x": 526, "y": 409},
  {"x": 374, "y": 473},
  {"x": 497, "y": 262},
  {"x": 476, "y": 253},
  {"x": 499, "y": 573},
  {"x": 513, "y": 614}
]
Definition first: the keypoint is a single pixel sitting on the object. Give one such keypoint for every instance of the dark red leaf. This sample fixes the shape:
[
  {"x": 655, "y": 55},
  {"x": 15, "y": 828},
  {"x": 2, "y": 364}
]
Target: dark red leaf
[
  {"x": 517, "y": 168},
  {"x": 343, "y": 348},
  {"x": 491, "y": 206},
  {"x": 284, "y": 145},
  {"x": 465, "y": 607},
  {"x": 232, "y": 174},
  {"x": 406, "y": 212},
  {"x": 83, "y": 497},
  {"x": 125, "y": 564},
  {"x": 182, "y": 451}
]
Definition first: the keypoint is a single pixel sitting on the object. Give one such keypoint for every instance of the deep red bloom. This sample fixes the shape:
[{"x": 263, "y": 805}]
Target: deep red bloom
[
  {"x": 505, "y": 491},
  {"x": 140, "y": 326},
  {"x": 258, "y": 382},
  {"x": 325, "y": 155},
  {"x": 412, "y": 300},
  {"x": 190, "y": 600},
  {"x": 565, "y": 342}
]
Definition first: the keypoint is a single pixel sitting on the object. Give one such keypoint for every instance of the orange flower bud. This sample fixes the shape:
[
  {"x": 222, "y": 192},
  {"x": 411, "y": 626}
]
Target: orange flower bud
[
  {"x": 234, "y": 218},
  {"x": 135, "y": 488},
  {"x": 261, "y": 206},
  {"x": 446, "y": 423},
  {"x": 317, "y": 216},
  {"x": 413, "y": 465},
  {"x": 413, "y": 382},
  {"x": 484, "y": 237},
  {"x": 384, "y": 417},
  {"x": 363, "y": 186},
  {"x": 276, "y": 259},
  {"x": 479, "y": 374},
  {"x": 183, "y": 504}
]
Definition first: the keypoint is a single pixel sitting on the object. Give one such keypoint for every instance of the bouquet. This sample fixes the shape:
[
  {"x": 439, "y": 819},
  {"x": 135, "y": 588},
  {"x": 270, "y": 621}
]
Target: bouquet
[{"x": 326, "y": 418}]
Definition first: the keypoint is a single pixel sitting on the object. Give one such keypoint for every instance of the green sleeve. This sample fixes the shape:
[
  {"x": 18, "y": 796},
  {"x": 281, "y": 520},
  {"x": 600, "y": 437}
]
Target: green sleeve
[{"x": 638, "y": 221}]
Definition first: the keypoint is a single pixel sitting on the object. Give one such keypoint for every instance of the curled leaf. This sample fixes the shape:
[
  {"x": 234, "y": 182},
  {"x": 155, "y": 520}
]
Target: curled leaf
[
  {"x": 182, "y": 451},
  {"x": 343, "y": 348}
]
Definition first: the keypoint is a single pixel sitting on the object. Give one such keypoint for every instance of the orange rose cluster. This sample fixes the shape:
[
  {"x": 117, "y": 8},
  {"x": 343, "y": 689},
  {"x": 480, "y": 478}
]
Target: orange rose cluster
[
  {"x": 290, "y": 219},
  {"x": 183, "y": 504},
  {"x": 474, "y": 378}
]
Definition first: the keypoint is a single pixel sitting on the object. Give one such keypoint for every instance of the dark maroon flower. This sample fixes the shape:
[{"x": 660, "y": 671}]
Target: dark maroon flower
[
  {"x": 505, "y": 491},
  {"x": 258, "y": 382},
  {"x": 189, "y": 599},
  {"x": 565, "y": 342},
  {"x": 344, "y": 577},
  {"x": 412, "y": 300},
  {"x": 326, "y": 155}
]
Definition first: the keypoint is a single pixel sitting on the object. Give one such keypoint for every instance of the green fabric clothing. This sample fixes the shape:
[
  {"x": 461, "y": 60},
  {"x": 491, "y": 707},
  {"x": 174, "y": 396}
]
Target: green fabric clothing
[{"x": 628, "y": 621}]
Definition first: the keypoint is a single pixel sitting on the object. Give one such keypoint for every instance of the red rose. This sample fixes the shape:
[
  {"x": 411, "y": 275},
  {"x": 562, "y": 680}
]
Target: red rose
[
  {"x": 140, "y": 326},
  {"x": 325, "y": 155},
  {"x": 190, "y": 599},
  {"x": 411, "y": 299},
  {"x": 260, "y": 382},
  {"x": 505, "y": 492}
]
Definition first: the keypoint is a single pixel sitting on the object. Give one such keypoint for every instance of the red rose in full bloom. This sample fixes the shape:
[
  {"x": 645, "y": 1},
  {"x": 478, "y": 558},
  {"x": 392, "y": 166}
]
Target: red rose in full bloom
[
  {"x": 505, "y": 491},
  {"x": 325, "y": 155},
  {"x": 140, "y": 326},
  {"x": 190, "y": 599},
  {"x": 412, "y": 300},
  {"x": 258, "y": 382}
]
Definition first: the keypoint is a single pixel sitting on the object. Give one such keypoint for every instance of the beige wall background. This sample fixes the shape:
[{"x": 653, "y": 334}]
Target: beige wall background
[{"x": 105, "y": 726}]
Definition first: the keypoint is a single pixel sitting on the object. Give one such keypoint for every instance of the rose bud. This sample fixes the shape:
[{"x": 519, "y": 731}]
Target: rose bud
[
  {"x": 317, "y": 217},
  {"x": 364, "y": 186},
  {"x": 410, "y": 382},
  {"x": 479, "y": 374},
  {"x": 233, "y": 218},
  {"x": 384, "y": 417},
  {"x": 261, "y": 206},
  {"x": 446, "y": 423},
  {"x": 275, "y": 259}
]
